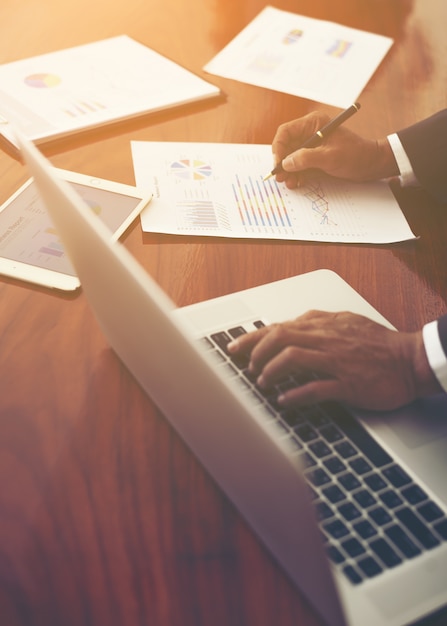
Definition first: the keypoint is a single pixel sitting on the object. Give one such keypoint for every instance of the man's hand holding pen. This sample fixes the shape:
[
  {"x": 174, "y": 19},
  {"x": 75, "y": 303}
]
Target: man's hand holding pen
[{"x": 340, "y": 153}]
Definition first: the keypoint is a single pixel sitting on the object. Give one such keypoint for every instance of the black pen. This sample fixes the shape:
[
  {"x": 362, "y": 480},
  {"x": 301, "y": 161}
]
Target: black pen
[{"x": 321, "y": 134}]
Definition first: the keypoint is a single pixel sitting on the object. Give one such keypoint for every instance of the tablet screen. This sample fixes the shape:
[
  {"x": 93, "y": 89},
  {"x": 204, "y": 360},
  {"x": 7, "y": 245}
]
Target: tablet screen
[{"x": 28, "y": 236}]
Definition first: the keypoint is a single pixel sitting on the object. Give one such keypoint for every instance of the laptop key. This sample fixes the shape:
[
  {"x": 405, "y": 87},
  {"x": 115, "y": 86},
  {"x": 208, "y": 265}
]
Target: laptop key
[
  {"x": 334, "y": 465},
  {"x": 360, "y": 466},
  {"x": 353, "y": 547},
  {"x": 417, "y": 528},
  {"x": 320, "y": 449},
  {"x": 324, "y": 511},
  {"x": 385, "y": 552},
  {"x": 359, "y": 436},
  {"x": 222, "y": 339},
  {"x": 345, "y": 449},
  {"x": 349, "y": 511},
  {"x": 318, "y": 477},
  {"x": 349, "y": 481},
  {"x": 380, "y": 516},
  {"x": 365, "y": 529},
  {"x": 336, "y": 529},
  {"x": 402, "y": 541},
  {"x": 352, "y": 574},
  {"x": 331, "y": 433},
  {"x": 397, "y": 476},
  {"x": 369, "y": 566},
  {"x": 335, "y": 555},
  {"x": 375, "y": 482},
  {"x": 430, "y": 511},
  {"x": 441, "y": 528},
  {"x": 334, "y": 494},
  {"x": 237, "y": 331},
  {"x": 306, "y": 433},
  {"x": 364, "y": 498},
  {"x": 391, "y": 499},
  {"x": 414, "y": 494}
]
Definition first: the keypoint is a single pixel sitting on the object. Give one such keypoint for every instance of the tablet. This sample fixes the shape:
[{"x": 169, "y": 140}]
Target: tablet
[{"x": 30, "y": 249}]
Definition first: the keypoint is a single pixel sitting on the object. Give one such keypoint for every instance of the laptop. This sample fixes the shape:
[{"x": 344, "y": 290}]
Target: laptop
[{"x": 351, "y": 505}]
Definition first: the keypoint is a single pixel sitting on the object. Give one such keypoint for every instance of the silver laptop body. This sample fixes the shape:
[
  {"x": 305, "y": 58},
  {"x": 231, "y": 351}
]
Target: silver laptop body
[{"x": 245, "y": 452}]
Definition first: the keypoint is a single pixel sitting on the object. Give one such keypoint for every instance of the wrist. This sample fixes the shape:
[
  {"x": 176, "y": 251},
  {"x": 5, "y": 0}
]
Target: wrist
[
  {"x": 426, "y": 382},
  {"x": 386, "y": 164}
]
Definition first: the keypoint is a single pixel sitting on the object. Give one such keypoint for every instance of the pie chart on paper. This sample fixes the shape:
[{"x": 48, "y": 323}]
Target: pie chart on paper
[
  {"x": 42, "y": 81},
  {"x": 191, "y": 169}
]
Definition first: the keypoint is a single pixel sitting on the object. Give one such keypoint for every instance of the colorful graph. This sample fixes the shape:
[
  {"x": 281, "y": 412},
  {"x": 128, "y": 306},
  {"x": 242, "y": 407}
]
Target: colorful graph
[
  {"x": 339, "y": 48},
  {"x": 54, "y": 249},
  {"x": 319, "y": 204},
  {"x": 260, "y": 203},
  {"x": 293, "y": 36},
  {"x": 53, "y": 246},
  {"x": 43, "y": 81},
  {"x": 191, "y": 169},
  {"x": 197, "y": 214}
]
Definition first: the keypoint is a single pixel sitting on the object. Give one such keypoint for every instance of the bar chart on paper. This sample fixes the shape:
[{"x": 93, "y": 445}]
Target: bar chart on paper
[
  {"x": 260, "y": 204},
  {"x": 219, "y": 190}
]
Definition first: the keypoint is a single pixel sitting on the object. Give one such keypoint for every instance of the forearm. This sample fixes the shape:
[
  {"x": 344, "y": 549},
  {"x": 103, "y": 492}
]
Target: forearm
[{"x": 425, "y": 144}]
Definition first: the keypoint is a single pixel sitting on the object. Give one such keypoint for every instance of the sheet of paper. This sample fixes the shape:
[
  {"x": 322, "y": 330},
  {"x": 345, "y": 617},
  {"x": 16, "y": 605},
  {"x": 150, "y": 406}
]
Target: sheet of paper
[
  {"x": 302, "y": 56},
  {"x": 218, "y": 190},
  {"x": 59, "y": 93}
]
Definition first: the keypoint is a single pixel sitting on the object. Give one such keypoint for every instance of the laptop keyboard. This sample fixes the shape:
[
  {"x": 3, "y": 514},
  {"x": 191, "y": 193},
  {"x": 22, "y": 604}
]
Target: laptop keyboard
[{"x": 373, "y": 516}]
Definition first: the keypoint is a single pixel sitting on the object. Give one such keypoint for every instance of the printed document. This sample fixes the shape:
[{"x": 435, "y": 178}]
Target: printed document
[
  {"x": 302, "y": 56},
  {"x": 69, "y": 90},
  {"x": 218, "y": 190}
]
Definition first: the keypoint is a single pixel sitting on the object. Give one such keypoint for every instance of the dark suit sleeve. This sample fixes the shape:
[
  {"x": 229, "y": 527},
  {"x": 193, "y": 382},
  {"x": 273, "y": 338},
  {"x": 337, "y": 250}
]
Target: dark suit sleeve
[
  {"x": 426, "y": 146},
  {"x": 442, "y": 330}
]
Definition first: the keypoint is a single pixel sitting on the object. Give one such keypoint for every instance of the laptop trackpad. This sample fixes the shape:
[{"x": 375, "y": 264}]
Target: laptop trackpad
[
  {"x": 418, "y": 435},
  {"x": 421, "y": 423}
]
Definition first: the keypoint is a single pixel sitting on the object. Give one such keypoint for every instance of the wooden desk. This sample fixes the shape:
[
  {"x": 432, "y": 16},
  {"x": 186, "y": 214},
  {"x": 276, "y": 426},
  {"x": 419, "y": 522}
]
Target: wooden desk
[{"x": 105, "y": 517}]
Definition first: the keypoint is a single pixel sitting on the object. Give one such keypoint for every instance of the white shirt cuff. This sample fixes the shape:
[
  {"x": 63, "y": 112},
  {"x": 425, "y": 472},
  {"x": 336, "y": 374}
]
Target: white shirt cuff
[
  {"x": 435, "y": 354},
  {"x": 407, "y": 176}
]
